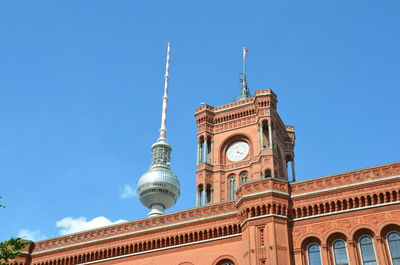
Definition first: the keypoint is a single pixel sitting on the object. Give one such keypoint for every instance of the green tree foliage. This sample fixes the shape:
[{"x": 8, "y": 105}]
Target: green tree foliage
[{"x": 10, "y": 249}]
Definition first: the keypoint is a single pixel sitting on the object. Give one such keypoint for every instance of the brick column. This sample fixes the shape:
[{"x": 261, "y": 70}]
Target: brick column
[
  {"x": 205, "y": 150},
  {"x": 270, "y": 133},
  {"x": 212, "y": 152},
  {"x": 380, "y": 251},
  {"x": 260, "y": 136},
  {"x": 197, "y": 196},
  {"x": 293, "y": 172},
  {"x": 325, "y": 254},
  {"x": 198, "y": 151},
  {"x": 352, "y": 252},
  {"x": 298, "y": 259}
]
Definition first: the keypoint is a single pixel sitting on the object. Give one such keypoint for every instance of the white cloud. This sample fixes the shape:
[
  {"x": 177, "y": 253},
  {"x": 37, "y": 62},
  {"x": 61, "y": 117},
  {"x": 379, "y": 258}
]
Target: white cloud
[
  {"x": 128, "y": 192},
  {"x": 70, "y": 225},
  {"x": 31, "y": 235}
]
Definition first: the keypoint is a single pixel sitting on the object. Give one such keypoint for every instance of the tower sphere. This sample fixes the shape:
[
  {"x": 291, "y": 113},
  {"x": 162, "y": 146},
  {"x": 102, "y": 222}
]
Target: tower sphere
[{"x": 159, "y": 188}]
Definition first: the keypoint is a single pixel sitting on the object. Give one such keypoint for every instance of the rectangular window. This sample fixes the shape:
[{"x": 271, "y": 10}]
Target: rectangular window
[{"x": 261, "y": 241}]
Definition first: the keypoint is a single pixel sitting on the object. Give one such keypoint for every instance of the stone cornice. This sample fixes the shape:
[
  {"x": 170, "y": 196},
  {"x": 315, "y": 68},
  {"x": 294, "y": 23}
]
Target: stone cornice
[
  {"x": 260, "y": 186},
  {"x": 140, "y": 226},
  {"x": 334, "y": 189},
  {"x": 240, "y": 103},
  {"x": 357, "y": 177}
]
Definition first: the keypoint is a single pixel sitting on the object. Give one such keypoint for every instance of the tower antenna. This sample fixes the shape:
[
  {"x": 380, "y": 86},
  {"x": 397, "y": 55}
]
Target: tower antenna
[
  {"x": 163, "y": 130},
  {"x": 159, "y": 188}
]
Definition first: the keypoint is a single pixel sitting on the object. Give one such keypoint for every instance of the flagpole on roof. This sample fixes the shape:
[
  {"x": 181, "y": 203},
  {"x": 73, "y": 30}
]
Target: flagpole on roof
[
  {"x": 245, "y": 92},
  {"x": 244, "y": 67},
  {"x": 244, "y": 60}
]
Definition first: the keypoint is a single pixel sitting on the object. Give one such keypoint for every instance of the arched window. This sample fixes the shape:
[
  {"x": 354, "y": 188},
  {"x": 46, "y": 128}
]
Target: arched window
[
  {"x": 393, "y": 240},
  {"x": 314, "y": 255},
  {"x": 200, "y": 150},
  {"x": 231, "y": 187},
  {"x": 200, "y": 195},
  {"x": 367, "y": 251},
  {"x": 290, "y": 168},
  {"x": 243, "y": 178},
  {"x": 267, "y": 173},
  {"x": 225, "y": 262},
  {"x": 265, "y": 135},
  {"x": 340, "y": 252},
  {"x": 209, "y": 194}
]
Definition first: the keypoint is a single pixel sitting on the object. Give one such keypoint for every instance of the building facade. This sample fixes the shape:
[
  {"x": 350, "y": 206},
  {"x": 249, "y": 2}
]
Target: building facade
[{"x": 250, "y": 208}]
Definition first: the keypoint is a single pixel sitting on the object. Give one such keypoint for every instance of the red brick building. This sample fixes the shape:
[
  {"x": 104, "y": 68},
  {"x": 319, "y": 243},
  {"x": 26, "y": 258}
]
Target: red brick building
[{"x": 250, "y": 209}]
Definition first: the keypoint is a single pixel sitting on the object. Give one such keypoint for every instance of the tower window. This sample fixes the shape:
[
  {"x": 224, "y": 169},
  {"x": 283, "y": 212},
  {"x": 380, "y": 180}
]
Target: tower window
[
  {"x": 267, "y": 173},
  {"x": 200, "y": 195},
  {"x": 367, "y": 251},
  {"x": 243, "y": 178},
  {"x": 265, "y": 134},
  {"x": 393, "y": 240},
  {"x": 340, "y": 252},
  {"x": 290, "y": 168},
  {"x": 231, "y": 187},
  {"x": 261, "y": 236},
  {"x": 208, "y": 148},
  {"x": 204, "y": 150},
  {"x": 208, "y": 194},
  {"x": 314, "y": 255}
]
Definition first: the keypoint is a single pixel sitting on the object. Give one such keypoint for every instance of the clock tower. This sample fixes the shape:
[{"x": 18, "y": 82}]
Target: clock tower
[{"x": 241, "y": 142}]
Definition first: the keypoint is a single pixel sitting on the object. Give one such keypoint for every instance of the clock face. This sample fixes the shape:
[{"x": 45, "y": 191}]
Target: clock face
[{"x": 237, "y": 151}]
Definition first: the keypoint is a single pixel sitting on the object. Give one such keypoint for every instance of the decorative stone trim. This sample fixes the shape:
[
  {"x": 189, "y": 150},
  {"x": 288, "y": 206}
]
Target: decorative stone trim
[
  {"x": 347, "y": 179},
  {"x": 264, "y": 185},
  {"x": 263, "y": 216},
  {"x": 347, "y": 210},
  {"x": 135, "y": 227},
  {"x": 260, "y": 193},
  {"x": 345, "y": 186}
]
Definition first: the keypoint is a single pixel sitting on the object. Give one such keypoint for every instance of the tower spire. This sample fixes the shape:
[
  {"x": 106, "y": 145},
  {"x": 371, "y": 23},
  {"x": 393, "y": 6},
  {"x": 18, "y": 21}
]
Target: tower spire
[
  {"x": 245, "y": 91},
  {"x": 163, "y": 130},
  {"x": 159, "y": 188}
]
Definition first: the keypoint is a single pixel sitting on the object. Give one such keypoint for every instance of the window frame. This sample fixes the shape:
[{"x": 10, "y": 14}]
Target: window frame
[
  {"x": 244, "y": 175},
  {"x": 387, "y": 244},
  {"x": 225, "y": 262},
  {"x": 360, "y": 251},
  {"x": 333, "y": 251},
  {"x": 308, "y": 253}
]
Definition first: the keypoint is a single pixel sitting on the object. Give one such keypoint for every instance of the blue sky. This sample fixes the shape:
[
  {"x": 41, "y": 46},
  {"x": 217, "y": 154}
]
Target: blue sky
[{"x": 81, "y": 85}]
